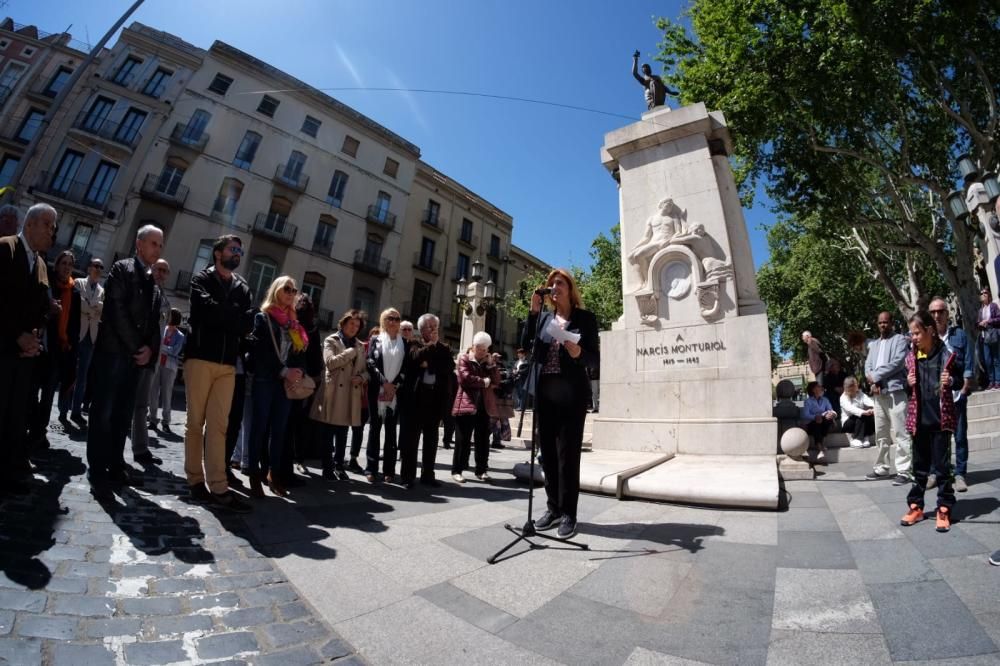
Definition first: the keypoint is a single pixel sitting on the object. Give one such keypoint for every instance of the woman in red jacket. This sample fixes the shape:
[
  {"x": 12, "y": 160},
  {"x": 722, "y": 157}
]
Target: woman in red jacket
[{"x": 475, "y": 404}]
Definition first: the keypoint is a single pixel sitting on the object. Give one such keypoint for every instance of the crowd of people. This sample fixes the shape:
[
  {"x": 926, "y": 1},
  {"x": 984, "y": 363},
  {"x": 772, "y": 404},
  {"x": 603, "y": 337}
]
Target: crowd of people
[{"x": 263, "y": 387}]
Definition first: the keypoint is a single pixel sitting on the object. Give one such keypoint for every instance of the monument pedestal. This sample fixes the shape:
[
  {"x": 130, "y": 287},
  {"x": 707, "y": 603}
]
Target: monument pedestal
[{"x": 685, "y": 372}]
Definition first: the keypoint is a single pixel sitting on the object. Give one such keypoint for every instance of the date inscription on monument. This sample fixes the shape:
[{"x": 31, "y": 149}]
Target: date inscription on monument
[{"x": 680, "y": 348}]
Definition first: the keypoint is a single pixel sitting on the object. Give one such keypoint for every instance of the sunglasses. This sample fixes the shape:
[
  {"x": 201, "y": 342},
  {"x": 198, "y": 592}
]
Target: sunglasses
[
  {"x": 392, "y": 318},
  {"x": 289, "y": 289},
  {"x": 235, "y": 250}
]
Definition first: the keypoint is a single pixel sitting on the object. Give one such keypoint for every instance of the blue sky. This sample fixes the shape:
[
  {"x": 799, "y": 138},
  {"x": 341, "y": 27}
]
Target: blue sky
[{"x": 539, "y": 163}]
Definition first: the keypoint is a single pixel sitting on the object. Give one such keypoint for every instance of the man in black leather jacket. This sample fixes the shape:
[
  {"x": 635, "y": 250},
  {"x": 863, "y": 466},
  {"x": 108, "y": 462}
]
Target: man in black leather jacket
[
  {"x": 221, "y": 317},
  {"x": 127, "y": 341}
]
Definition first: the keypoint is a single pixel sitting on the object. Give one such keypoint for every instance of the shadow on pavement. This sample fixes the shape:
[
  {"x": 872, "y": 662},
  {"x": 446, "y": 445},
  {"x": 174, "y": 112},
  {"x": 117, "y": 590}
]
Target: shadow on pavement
[
  {"x": 675, "y": 536},
  {"x": 27, "y": 523},
  {"x": 971, "y": 510}
]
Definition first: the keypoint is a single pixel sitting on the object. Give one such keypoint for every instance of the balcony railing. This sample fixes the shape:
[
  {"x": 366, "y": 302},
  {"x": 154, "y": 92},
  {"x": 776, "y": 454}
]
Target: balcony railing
[
  {"x": 183, "y": 282},
  {"x": 77, "y": 192},
  {"x": 275, "y": 226},
  {"x": 296, "y": 182},
  {"x": 151, "y": 189},
  {"x": 324, "y": 247},
  {"x": 433, "y": 221},
  {"x": 381, "y": 216},
  {"x": 469, "y": 241},
  {"x": 189, "y": 139},
  {"x": 372, "y": 263},
  {"x": 426, "y": 264},
  {"x": 156, "y": 92},
  {"x": 124, "y": 135},
  {"x": 326, "y": 319}
]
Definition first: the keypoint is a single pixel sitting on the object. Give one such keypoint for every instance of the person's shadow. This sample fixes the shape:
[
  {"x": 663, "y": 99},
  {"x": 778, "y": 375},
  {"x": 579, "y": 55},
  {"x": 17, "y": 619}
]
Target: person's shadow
[
  {"x": 975, "y": 509},
  {"x": 650, "y": 537},
  {"x": 27, "y": 523}
]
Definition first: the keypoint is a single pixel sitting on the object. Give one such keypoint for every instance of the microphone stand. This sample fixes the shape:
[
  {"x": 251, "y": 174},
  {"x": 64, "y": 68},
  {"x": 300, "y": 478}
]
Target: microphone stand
[{"x": 528, "y": 531}]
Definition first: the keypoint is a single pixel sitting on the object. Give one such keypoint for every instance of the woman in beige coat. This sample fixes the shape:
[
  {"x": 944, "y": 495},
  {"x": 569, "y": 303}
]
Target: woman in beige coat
[{"x": 338, "y": 401}]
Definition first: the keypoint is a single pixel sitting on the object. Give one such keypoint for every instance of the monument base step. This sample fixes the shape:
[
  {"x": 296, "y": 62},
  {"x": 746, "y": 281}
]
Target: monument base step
[
  {"x": 603, "y": 471},
  {"x": 736, "y": 481}
]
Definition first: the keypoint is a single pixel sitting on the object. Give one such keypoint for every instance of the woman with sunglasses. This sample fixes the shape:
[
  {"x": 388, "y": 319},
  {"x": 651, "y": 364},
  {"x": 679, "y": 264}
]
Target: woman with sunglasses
[
  {"x": 989, "y": 338},
  {"x": 279, "y": 358},
  {"x": 387, "y": 361}
]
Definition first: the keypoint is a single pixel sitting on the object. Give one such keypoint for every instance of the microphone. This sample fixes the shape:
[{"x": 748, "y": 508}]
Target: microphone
[{"x": 544, "y": 291}]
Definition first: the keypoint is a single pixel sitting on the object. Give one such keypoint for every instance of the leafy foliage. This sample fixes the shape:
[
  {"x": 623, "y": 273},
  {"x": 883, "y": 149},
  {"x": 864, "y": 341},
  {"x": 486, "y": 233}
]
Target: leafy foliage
[{"x": 601, "y": 285}]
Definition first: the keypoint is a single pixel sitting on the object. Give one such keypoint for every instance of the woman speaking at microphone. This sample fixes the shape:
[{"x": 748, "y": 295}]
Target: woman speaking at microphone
[{"x": 564, "y": 344}]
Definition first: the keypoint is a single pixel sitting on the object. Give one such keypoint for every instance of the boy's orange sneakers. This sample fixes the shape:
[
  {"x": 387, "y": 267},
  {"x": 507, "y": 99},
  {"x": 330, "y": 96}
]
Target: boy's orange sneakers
[
  {"x": 943, "y": 519},
  {"x": 913, "y": 516}
]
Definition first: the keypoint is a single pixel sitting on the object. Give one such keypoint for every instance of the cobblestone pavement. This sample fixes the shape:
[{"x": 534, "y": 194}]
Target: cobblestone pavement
[{"x": 148, "y": 579}]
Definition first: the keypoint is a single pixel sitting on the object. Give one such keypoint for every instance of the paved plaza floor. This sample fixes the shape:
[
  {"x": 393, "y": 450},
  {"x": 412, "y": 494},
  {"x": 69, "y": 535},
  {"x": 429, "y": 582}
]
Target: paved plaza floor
[{"x": 358, "y": 573}]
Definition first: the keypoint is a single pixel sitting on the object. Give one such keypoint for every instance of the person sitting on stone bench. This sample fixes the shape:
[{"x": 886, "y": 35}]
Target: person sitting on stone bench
[{"x": 817, "y": 416}]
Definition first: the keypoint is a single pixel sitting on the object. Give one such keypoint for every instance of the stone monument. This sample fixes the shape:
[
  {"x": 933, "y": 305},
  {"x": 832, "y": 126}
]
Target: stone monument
[{"x": 685, "y": 372}]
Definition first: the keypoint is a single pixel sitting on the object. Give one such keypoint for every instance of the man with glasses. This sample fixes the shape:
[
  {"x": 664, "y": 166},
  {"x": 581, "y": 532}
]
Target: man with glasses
[
  {"x": 91, "y": 305},
  {"x": 221, "y": 317},
  {"x": 957, "y": 343}
]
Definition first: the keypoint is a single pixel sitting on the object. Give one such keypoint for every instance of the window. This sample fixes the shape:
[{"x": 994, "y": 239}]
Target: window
[
  {"x": 157, "y": 83},
  {"x": 30, "y": 125},
  {"x": 268, "y": 105},
  {"x": 421, "y": 301},
  {"x": 373, "y": 248},
  {"x": 58, "y": 82},
  {"x": 277, "y": 215},
  {"x": 293, "y": 170},
  {"x": 391, "y": 167},
  {"x": 325, "y": 232},
  {"x": 365, "y": 300},
  {"x": 9, "y": 78},
  {"x": 427, "y": 252},
  {"x": 350, "y": 146},
  {"x": 126, "y": 72},
  {"x": 229, "y": 196},
  {"x": 310, "y": 126},
  {"x": 262, "y": 274},
  {"x": 466, "y": 234},
  {"x": 494, "y": 245},
  {"x": 128, "y": 131},
  {"x": 100, "y": 184},
  {"x": 433, "y": 211},
  {"x": 220, "y": 84},
  {"x": 81, "y": 238},
  {"x": 382, "y": 206},
  {"x": 97, "y": 114},
  {"x": 196, "y": 126},
  {"x": 4, "y": 43},
  {"x": 66, "y": 172},
  {"x": 492, "y": 274},
  {"x": 7, "y": 168},
  {"x": 247, "y": 150},
  {"x": 204, "y": 258},
  {"x": 27, "y": 52},
  {"x": 312, "y": 286},
  {"x": 462, "y": 269},
  {"x": 170, "y": 177},
  {"x": 335, "y": 196}
]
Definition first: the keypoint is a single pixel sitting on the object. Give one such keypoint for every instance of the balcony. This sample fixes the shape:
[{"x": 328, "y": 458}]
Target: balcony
[
  {"x": 183, "y": 284},
  {"x": 151, "y": 189},
  {"x": 188, "y": 137},
  {"x": 324, "y": 247},
  {"x": 469, "y": 241},
  {"x": 77, "y": 192},
  {"x": 372, "y": 263},
  {"x": 41, "y": 92},
  {"x": 123, "y": 135},
  {"x": 381, "y": 217},
  {"x": 276, "y": 227},
  {"x": 292, "y": 181},
  {"x": 156, "y": 92},
  {"x": 426, "y": 264},
  {"x": 125, "y": 81},
  {"x": 432, "y": 221}
]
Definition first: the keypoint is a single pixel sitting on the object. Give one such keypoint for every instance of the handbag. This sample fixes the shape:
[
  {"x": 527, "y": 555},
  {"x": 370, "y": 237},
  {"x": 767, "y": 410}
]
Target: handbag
[
  {"x": 301, "y": 389},
  {"x": 991, "y": 336}
]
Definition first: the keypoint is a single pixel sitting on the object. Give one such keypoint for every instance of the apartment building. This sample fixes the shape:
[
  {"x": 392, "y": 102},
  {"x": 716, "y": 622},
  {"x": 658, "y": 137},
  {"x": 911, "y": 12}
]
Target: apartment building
[{"x": 86, "y": 163}]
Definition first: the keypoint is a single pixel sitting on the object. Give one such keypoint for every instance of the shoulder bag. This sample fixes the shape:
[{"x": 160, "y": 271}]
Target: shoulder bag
[{"x": 305, "y": 386}]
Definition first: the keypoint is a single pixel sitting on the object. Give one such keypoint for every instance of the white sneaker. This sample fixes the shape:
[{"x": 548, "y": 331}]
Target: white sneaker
[
  {"x": 484, "y": 477},
  {"x": 821, "y": 455},
  {"x": 856, "y": 444},
  {"x": 458, "y": 478},
  {"x": 866, "y": 444}
]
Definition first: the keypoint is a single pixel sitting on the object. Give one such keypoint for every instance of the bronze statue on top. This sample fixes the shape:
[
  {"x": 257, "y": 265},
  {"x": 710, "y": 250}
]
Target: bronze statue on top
[{"x": 656, "y": 90}]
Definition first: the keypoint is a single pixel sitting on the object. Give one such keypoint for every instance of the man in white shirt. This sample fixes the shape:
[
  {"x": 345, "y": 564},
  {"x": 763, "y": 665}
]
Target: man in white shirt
[{"x": 91, "y": 306}]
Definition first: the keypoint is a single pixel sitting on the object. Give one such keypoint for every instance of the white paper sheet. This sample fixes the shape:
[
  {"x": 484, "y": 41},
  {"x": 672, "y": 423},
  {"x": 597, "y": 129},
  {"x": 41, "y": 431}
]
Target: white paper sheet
[{"x": 559, "y": 334}]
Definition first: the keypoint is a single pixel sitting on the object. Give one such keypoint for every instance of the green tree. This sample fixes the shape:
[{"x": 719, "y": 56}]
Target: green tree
[
  {"x": 517, "y": 300},
  {"x": 601, "y": 284},
  {"x": 852, "y": 113}
]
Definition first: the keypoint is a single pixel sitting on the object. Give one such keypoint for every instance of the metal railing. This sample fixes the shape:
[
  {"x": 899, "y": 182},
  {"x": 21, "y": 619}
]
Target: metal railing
[
  {"x": 322, "y": 247},
  {"x": 151, "y": 187},
  {"x": 469, "y": 241},
  {"x": 276, "y": 226},
  {"x": 371, "y": 262},
  {"x": 381, "y": 216},
  {"x": 424, "y": 263},
  {"x": 433, "y": 221},
  {"x": 102, "y": 127},
  {"x": 76, "y": 191},
  {"x": 180, "y": 135},
  {"x": 325, "y": 318},
  {"x": 298, "y": 182},
  {"x": 42, "y": 36}
]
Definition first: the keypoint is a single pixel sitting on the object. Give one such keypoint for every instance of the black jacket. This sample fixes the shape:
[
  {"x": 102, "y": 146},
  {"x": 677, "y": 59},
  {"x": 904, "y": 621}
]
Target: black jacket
[
  {"x": 266, "y": 363},
  {"x": 573, "y": 369},
  {"x": 131, "y": 315},
  {"x": 221, "y": 316},
  {"x": 26, "y": 295},
  {"x": 439, "y": 360}
]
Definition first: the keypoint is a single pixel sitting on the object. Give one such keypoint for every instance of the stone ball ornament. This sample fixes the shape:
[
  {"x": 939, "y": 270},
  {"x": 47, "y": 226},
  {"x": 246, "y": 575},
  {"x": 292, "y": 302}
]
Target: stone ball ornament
[{"x": 794, "y": 442}]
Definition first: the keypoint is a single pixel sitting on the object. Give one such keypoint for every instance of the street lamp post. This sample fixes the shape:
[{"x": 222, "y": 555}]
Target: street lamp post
[
  {"x": 474, "y": 298},
  {"x": 980, "y": 198}
]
